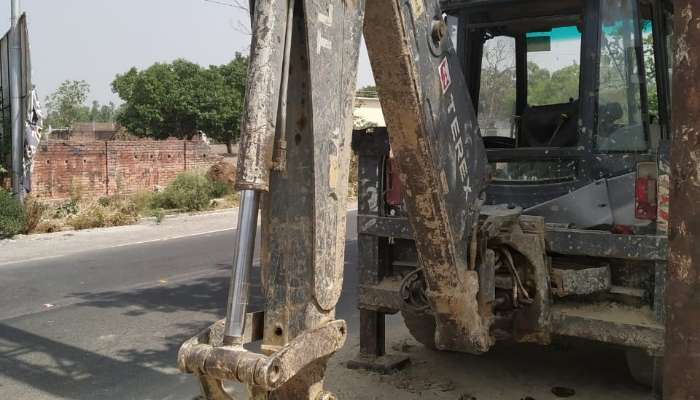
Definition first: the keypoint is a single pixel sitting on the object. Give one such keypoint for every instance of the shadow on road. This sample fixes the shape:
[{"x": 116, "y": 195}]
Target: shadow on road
[
  {"x": 161, "y": 317},
  {"x": 62, "y": 370},
  {"x": 70, "y": 372},
  {"x": 206, "y": 294}
]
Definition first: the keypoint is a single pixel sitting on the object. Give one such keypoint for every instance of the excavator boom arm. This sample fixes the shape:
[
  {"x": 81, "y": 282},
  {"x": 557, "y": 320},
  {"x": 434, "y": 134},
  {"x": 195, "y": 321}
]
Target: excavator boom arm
[{"x": 294, "y": 163}]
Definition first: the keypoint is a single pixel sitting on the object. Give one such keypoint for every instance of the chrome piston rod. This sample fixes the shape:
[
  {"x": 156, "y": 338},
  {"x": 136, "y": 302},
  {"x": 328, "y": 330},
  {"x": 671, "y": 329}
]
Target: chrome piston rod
[
  {"x": 248, "y": 215},
  {"x": 244, "y": 248}
]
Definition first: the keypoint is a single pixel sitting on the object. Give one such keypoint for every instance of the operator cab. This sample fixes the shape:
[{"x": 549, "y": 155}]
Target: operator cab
[{"x": 572, "y": 101}]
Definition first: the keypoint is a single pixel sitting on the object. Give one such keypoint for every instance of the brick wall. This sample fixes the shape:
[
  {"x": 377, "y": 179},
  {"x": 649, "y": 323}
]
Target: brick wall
[{"x": 103, "y": 168}]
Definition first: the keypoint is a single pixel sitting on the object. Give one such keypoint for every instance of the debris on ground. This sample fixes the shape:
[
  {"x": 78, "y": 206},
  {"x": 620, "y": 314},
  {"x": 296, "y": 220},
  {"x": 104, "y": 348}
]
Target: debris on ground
[
  {"x": 506, "y": 373},
  {"x": 563, "y": 392},
  {"x": 404, "y": 346}
]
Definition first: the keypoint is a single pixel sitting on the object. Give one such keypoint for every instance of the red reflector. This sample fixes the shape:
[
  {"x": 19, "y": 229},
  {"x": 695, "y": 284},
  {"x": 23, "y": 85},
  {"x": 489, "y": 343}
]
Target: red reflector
[
  {"x": 393, "y": 194},
  {"x": 645, "y": 198},
  {"x": 622, "y": 230}
]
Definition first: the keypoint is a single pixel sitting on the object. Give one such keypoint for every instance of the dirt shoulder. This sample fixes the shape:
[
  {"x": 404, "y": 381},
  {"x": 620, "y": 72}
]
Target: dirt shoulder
[
  {"x": 25, "y": 248},
  {"x": 509, "y": 372}
]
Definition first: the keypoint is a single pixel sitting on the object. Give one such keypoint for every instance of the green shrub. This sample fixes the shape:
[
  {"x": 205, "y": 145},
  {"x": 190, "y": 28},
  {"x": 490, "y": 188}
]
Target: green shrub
[
  {"x": 219, "y": 189},
  {"x": 66, "y": 209},
  {"x": 159, "y": 215},
  {"x": 144, "y": 202},
  {"x": 189, "y": 191},
  {"x": 13, "y": 218},
  {"x": 89, "y": 218}
]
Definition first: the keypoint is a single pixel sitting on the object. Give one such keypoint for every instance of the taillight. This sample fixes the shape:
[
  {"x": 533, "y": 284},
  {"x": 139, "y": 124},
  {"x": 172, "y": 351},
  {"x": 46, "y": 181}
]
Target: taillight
[{"x": 645, "y": 191}]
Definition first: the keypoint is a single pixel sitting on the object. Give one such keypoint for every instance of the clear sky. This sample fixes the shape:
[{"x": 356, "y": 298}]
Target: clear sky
[{"x": 93, "y": 40}]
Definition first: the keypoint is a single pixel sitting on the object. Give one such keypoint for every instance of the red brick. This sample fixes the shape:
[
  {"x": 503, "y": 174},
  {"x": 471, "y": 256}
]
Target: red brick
[{"x": 101, "y": 168}]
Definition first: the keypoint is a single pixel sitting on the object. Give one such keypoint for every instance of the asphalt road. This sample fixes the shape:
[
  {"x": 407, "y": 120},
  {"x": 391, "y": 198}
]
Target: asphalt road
[
  {"x": 101, "y": 315},
  {"x": 107, "y": 323}
]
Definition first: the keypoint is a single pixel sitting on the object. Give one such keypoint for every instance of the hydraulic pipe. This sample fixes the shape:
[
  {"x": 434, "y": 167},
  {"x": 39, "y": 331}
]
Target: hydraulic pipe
[
  {"x": 15, "y": 66},
  {"x": 281, "y": 142},
  {"x": 244, "y": 248}
]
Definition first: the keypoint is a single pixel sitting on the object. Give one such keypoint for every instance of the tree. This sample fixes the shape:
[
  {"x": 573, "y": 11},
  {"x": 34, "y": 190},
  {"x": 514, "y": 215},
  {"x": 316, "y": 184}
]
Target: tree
[
  {"x": 650, "y": 69},
  {"x": 66, "y": 105},
  {"x": 545, "y": 87},
  {"x": 102, "y": 112},
  {"x": 181, "y": 98},
  {"x": 367, "y": 91},
  {"x": 235, "y": 76},
  {"x": 497, "y": 94}
]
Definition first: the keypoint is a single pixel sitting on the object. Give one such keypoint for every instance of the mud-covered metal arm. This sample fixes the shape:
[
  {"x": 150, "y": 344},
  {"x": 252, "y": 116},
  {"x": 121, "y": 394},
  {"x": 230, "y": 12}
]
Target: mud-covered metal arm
[
  {"x": 301, "y": 87},
  {"x": 435, "y": 140},
  {"x": 206, "y": 355},
  {"x": 264, "y": 83}
]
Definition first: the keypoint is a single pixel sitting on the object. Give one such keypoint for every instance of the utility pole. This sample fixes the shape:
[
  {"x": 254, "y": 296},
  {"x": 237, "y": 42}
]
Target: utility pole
[
  {"x": 682, "y": 355},
  {"x": 15, "y": 102}
]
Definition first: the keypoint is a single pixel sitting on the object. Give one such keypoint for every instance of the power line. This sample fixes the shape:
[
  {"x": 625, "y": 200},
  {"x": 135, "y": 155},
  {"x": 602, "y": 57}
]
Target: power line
[{"x": 223, "y": 3}]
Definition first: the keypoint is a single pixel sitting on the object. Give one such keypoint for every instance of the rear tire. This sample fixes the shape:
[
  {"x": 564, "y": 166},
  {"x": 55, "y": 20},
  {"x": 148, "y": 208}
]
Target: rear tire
[
  {"x": 645, "y": 369},
  {"x": 422, "y": 327}
]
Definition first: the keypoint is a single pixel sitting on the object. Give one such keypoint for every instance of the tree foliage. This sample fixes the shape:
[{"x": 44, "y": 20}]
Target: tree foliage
[
  {"x": 650, "y": 69},
  {"x": 66, "y": 106},
  {"x": 367, "y": 91},
  {"x": 498, "y": 83},
  {"x": 102, "y": 112},
  {"x": 545, "y": 87},
  {"x": 497, "y": 94},
  {"x": 179, "y": 99}
]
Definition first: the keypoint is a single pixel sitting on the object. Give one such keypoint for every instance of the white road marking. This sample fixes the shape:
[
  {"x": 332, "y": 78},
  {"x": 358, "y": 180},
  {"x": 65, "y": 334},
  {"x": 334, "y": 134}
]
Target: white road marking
[
  {"x": 351, "y": 208},
  {"x": 163, "y": 239}
]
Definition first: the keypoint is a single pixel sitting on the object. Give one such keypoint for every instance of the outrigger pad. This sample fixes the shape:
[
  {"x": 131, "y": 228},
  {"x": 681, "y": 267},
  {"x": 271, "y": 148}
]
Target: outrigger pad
[
  {"x": 385, "y": 365},
  {"x": 204, "y": 355}
]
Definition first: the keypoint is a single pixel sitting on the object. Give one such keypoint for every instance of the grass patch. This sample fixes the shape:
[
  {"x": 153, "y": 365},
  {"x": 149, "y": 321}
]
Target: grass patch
[
  {"x": 35, "y": 211},
  {"x": 219, "y": 190},
  {"x": 13, "y": 218},
  {"x": 189, "y": 192},
  {"x": 159, "y": 215},
  {"x": 88, "y": 218}
]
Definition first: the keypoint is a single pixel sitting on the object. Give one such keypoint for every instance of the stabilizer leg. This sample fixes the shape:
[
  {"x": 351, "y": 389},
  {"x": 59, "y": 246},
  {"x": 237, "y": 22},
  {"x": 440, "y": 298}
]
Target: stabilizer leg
[{"x": 294, "y": 160}]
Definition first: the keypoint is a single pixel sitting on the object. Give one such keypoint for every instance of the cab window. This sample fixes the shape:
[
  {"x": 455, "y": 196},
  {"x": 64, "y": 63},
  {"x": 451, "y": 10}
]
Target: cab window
[
  {"x": 620, "y": 118},
  {"x": 498, "y": 88},
  {"x": 553, "y": 66}
]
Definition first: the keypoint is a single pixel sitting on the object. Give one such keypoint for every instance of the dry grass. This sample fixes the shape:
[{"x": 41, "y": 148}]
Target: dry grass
[
  {"x": 190, "y": 192},
  {"x": 35, "y": 211}
]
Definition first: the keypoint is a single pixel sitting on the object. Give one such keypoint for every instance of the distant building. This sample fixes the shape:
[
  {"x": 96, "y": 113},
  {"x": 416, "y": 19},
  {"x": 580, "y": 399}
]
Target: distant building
[{"x": 368, "y": 112}]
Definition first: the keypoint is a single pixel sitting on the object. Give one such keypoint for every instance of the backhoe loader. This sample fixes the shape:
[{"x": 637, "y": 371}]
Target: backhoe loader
[{"x": 543, "y": 220}]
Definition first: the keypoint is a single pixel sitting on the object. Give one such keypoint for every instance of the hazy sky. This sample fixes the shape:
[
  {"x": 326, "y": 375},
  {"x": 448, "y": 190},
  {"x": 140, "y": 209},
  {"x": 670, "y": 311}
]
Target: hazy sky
[{"x": 93, "y": 40}]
